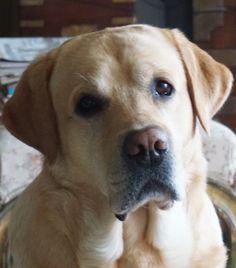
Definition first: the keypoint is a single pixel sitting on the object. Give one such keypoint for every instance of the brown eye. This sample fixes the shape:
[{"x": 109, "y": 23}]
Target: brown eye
[
  {"x": 162, "y": 88},
  {"x": 89, "y": 105}
]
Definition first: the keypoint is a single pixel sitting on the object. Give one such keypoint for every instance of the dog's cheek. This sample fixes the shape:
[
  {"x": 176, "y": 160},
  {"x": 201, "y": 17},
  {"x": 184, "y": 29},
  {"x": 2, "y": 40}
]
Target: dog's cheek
[
  {"x": 179, "y": 174},
  {"x": 180, "y": 128},
  {"x": 81, "y": 146}
]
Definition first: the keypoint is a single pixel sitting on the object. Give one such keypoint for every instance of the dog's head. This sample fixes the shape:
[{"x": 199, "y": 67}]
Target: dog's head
[{"x": 118, "y": 108}]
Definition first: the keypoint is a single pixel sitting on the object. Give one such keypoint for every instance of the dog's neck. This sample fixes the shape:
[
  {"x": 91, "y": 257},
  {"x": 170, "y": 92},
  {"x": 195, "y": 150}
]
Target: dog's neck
[
  {"x": 97, "y": 234},
  {"x": 149, "y": 237},
  {"x": 101, "y": 242},
  {"x": 155, "y": 236}
]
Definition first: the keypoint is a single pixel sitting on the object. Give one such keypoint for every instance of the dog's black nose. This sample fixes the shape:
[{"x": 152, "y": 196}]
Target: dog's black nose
[{"x": 146, "y": 146}]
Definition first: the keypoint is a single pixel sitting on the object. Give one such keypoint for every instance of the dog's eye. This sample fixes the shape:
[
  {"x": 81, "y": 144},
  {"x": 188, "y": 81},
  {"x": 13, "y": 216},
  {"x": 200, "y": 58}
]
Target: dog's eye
[
  {"x": 89, "y": 105},
  {"x": 162, "y": 88}
]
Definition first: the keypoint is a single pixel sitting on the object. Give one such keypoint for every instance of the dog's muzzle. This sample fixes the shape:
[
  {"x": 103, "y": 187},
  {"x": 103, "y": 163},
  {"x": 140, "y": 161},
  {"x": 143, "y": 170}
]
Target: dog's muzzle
[{"x": 149, "y": 169}]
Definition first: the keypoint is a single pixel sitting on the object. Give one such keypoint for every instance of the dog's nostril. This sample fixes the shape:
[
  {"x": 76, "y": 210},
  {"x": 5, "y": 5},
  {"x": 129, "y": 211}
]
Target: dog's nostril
[
  {"x": 135, "y": 146},
  {"x": 160, "y": 146},
  {"x": 141, "y": 150},
  {"x": 132, "y": 149}
]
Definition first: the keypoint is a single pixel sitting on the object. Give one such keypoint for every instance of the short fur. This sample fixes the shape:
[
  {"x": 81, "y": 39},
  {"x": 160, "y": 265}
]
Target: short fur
[{"x": 65, "y": 218}]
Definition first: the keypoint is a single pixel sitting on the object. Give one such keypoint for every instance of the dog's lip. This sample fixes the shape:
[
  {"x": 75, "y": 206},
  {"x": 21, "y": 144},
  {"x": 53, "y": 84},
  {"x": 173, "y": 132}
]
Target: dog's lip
[
  {"x": 121, "y": 217},
  {"x": 163, "y": 201}
]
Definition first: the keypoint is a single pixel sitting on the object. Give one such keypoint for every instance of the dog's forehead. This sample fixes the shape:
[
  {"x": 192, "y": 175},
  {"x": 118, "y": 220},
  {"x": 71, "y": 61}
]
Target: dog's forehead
[{"x": 118, "y": 54}]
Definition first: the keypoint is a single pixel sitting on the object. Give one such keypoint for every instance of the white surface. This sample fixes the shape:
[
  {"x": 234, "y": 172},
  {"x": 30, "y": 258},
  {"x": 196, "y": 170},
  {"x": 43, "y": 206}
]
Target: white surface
[
  {"x": 220, "y": 152},
  {"x": 20, "y": 164},
  {"x": 26, "y": 49}
]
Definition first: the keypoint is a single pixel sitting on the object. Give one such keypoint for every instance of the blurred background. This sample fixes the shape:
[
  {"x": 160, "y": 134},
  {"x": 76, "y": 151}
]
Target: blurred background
[{"x": 209, "y": 23}]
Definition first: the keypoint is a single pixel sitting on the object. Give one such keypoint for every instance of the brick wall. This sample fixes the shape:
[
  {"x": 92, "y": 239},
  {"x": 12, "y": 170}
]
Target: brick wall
[
  {"x": 215, "y": 31},
  {"x": 72, "y": 17}
]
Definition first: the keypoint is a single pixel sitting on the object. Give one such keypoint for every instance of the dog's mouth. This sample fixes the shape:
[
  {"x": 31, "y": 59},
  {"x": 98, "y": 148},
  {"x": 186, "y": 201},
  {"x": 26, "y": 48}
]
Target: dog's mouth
[
  {"x": 164, "y": 203},
  {"x": 153, "y": 180},
  {"x": 162, "y": 195}
]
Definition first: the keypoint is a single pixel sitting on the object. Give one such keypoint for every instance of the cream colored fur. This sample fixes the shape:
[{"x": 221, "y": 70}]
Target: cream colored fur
[{"x": 65, "y": 219}]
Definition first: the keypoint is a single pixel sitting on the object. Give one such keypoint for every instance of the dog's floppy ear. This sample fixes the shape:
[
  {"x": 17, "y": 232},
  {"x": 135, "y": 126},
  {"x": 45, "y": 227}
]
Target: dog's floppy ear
[
  {"x": 209, "y": 82},
  {"x": 29, "y": 114}
]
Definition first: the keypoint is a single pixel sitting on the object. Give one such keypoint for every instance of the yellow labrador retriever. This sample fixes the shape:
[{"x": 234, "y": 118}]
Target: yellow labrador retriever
[{"x": 117, "y": 115}]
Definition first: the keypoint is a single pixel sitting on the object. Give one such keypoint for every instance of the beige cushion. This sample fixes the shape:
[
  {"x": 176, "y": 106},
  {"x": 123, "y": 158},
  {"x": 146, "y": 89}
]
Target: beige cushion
[
  {"x": 220, "y": 152},
  {"x": 20, "y": 164}
]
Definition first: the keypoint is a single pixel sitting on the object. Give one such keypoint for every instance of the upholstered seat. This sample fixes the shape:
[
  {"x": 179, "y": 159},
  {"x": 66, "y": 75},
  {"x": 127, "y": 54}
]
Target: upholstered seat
[{"x": 220, "y": 152}]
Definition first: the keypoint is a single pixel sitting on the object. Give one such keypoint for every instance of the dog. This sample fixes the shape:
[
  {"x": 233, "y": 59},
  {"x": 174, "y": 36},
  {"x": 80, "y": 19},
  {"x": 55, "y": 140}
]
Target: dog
[{"x": 117, "y": 114}]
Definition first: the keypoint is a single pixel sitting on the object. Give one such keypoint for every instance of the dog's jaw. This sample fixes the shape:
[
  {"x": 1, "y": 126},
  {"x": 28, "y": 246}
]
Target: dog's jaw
[{"x": 162, "y": 201}]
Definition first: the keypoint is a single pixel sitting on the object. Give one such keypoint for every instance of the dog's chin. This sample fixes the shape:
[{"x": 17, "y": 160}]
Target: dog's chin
[{"x": 154, "y": 192}]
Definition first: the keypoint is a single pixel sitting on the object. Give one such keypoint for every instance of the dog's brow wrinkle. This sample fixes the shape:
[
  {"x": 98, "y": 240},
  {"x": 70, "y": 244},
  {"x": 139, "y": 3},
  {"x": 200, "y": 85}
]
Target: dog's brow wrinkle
[
  {"x": 89, "y": 79},
  {"x": 83, "y": 77}
]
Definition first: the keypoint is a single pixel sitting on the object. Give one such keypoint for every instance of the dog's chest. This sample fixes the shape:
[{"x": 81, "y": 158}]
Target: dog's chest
[
  {"x": 150, "y": 238},
  {"x": 159, "y": 239},
  {"x": 142, "y": 256}
]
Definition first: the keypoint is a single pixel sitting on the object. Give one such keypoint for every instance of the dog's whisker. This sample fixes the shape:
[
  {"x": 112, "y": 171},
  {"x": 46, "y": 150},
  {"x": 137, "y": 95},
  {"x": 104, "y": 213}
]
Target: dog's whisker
[{"x": 115, "y": 183}]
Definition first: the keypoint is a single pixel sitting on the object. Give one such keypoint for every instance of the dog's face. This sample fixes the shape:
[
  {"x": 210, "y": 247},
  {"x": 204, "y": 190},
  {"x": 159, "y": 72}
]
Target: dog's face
[
  {"x": 122, "y": 106},
  {"x": 118, "y": 98}
]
